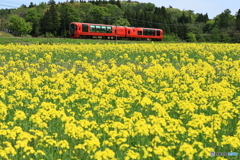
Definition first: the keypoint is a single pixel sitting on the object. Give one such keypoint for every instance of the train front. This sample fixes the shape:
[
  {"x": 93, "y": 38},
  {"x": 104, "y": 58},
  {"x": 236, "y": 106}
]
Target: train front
[{"x": 73, "y": 30}]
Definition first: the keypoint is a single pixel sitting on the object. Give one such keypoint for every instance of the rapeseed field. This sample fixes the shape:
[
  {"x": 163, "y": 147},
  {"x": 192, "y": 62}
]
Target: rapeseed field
[{"x": 119, "y": 101}]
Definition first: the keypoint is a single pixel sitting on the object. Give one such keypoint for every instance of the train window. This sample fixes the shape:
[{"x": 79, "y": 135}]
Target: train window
[
  {"x": 109, "y": 29},
  {"x": 149, "y": 32},
  {"x": 72, "y": 27},
  {"x": 158, "y": 33},
  {"x": 104, "y": 29},
  {"x": 85, "y": 28},
  {"x": 92, "y": 28},
  {"x": 98, "y": 28},
  {"x": 139, "y": 32},
  {"x": 128, "y": 32}
]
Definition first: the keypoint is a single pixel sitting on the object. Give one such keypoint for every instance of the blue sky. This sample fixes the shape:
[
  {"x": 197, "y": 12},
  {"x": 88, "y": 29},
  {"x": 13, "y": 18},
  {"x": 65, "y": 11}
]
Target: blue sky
[{"x": 212, "y": 7}]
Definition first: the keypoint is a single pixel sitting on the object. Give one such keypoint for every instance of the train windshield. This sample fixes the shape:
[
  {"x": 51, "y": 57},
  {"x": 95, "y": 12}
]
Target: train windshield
[{"x": 72, "y": 28}]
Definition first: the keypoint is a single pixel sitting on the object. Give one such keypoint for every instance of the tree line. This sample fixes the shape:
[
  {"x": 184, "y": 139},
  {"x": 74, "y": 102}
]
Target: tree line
[{"x": 52, "y": 20}]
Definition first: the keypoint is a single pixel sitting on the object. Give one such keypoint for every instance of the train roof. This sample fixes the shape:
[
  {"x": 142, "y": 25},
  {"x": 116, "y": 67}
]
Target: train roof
[
  {"x": 94, "y": 23},
  {"x": 116, "y": 26}
]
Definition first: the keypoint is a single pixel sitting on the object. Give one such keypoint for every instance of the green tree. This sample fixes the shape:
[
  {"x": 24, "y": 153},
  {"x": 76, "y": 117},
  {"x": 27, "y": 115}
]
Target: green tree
[
  {"x": 236, "y": 37},
  {"x": 206, "y": 18},
  {"x": 122, "y": 22},
  {"x": 19, "y": 26},
  {"x": 112, "y": 1},
  {"x": 200, "y": 18},
  {"x": 50, "y": 23},
  {"x": 200, "y": 38},
  {"x": 128, "y": 14},
  {"x": 225, "y": 37},
  {"x": 148, "y": 18},
  {"x": 225, "y": 19},
  {"x": 191, "y": 37},
  {"x": 140, "y": 16},
  {"x": 174, "y": 28},
  {"x": 182, "y": 31},
  {"x": 98, "y": 14},
  {"x": 184, "y": 18},
  {"x": 41, "y": 8},
  {"x": 3, "y": 23},
  {"x": 67, "y": 15},
  {"x": 31, "y": 5},
  {"x": 33, "y": 17},
  {"x": 208, "y": 26},
  {"x": 215, "y": 36},
  {"x": 238, "y": 20},
  {"x": 114, "y": 13},
  {"x": 51, "y": 2},
  {"x": 118, "y": 4},
  {"x": 23, "y": 6}
]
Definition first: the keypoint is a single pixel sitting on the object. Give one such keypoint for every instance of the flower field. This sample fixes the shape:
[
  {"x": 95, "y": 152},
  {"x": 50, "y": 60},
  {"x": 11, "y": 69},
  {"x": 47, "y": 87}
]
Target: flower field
[{"x": 119, "y": 101}]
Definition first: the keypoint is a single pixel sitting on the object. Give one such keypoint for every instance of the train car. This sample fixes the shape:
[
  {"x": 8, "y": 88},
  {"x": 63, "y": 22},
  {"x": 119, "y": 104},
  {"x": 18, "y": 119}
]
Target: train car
[
  {"x": 89, "y": 30},
  {"x": 144, "y": 33}
]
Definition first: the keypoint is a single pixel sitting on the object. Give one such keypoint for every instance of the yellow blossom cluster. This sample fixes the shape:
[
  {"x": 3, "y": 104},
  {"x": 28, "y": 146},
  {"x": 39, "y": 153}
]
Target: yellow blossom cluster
[{"x": 119, "y": 101}]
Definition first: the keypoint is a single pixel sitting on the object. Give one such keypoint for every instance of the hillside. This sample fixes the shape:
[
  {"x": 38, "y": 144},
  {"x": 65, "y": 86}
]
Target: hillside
[
  {"x": 52, "y": 19},
  {"x": 4, "y": 34}
]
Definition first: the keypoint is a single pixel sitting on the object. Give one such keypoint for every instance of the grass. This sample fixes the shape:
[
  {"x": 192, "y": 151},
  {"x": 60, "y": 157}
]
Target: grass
[
  {"x": 4, "y": 34},
  {"x": 28, "y": 41}
]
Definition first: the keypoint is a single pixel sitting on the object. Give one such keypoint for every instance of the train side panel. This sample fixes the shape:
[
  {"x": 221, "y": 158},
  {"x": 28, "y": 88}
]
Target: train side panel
[
  {"x": 78, "y": 30},
  {"x": 88, "y": 30},
  {"x": 144, "y": 33}
]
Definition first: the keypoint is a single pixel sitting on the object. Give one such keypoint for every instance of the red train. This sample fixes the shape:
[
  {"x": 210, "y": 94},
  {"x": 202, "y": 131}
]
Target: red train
[{"x": 89, "y": 30}]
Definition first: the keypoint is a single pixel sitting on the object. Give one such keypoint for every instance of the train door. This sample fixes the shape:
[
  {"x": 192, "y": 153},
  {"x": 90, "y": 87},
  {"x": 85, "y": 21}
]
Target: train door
[
  {"x": 128, "y": 32},
  {"x": 85, "y": 28}
]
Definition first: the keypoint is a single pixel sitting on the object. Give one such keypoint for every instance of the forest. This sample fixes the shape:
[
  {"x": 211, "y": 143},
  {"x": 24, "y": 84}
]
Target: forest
[{"x": 52, "y": 19}]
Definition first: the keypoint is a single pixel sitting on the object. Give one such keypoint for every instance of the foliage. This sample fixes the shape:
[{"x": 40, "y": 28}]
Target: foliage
[
  {"x": 238, "y": 20},
  {"x": 172, "y": 20},
  {"x": 18, "y": 26},
  {"x": 122, "y": 22},
  {"x": 114, "y": 13},
  {"x": 33, "y": 17},
  {"x": 67, "y": 15},
  {"x": 236, "y": 37},
  {"x": 209, "y": 25},
  {"x": 191, "y": 37},
  {"x": 50, "y": 22},
  {"x": 202, "y": 18},
  {"x": 98, "y": 15},
  {"x": 171, "y": 38},
  {"x": 225, "y": 19},
  {"x": 215, "y": 36}
]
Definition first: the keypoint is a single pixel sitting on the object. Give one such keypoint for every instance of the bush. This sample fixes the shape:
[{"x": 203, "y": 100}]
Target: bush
[
  {"x": 200, "y": 38},
  {"x": 171, "y": 38},
  {"x": 49, "y": 35},
  {"x": 191, "y": 37}
]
